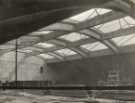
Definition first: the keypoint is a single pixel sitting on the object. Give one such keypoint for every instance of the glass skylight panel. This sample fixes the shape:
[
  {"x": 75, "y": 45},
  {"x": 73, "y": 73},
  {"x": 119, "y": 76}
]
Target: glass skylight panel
[
  {"x": 46, "y": 56},
  {"x": 125, "y": 40},
  {"x": 73, "y": 37},
  {"x": 109, "y": 26},
  {"x": 24, "y": 51},
  {"x": 127, "y": 22},
  {"x": 65, "y": 52},
  {"x": 45, "y": 45},
  {"x": 41, "y": 32},
  {"x": 7, "y": 46},
  {"x": 102, "y": 11},
  {"x": 70, "y": 21},
  {"x": 89, "y": 14},
  {"x": 59, "y": 26},
  {"x": 130, "y": 20},
  {"x": 94, "y": 46},
  {"x": 33, "y": 49},
  {"x": 115, "y": 25},
  {"x": 27, "y": 40}
]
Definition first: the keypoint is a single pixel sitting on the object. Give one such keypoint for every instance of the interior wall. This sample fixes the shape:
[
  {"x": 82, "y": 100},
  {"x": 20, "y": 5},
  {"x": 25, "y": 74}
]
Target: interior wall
[
  {"x": 91, "y": 70},
  {"x": 83, "y": 71},
  {"x": 28, "y": 67}
]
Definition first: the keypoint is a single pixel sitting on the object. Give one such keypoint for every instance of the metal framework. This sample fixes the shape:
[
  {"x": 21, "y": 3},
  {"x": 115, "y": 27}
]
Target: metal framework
[{"x": 87, "y": 31}]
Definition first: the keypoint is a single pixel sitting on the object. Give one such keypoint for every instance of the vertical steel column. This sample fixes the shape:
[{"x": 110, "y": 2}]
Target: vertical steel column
[{"x": 16, "y": 59}]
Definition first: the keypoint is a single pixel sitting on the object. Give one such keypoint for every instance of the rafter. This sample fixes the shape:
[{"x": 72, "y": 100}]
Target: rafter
[
  {"x": 79, "y": 51},
  {"x": 90, "y": 33},
  {"x": 56, "y": 56},
  {"x": 110, "y": 44}
]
